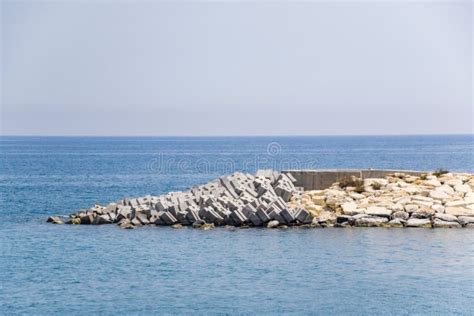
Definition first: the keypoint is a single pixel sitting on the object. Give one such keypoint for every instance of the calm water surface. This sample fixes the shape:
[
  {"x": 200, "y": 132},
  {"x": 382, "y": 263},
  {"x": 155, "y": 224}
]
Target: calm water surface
[{"x": 47, "y": 269}]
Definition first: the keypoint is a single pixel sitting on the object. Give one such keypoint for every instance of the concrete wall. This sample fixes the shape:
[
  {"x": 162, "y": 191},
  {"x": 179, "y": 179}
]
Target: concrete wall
[{"x": 322, "y": 179}]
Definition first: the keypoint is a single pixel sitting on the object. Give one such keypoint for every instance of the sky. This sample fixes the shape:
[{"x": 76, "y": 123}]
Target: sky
[{"x": 236, "y": 68}]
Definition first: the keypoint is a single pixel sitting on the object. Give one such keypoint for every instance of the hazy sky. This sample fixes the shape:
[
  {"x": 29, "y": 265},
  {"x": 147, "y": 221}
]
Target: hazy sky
[{"x": 215, "y": 68}]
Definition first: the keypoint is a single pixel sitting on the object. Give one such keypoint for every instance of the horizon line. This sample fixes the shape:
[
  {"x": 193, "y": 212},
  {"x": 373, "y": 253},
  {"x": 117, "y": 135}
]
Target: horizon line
[{"x": 243, "y": 136}]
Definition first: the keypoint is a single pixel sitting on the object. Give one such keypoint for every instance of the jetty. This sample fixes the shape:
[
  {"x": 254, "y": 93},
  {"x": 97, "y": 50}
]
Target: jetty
[{"x": 300, "y": 198}]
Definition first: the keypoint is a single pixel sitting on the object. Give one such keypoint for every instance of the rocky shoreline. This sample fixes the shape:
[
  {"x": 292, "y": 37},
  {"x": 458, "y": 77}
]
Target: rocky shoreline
[{"x": 271, "y": 199}]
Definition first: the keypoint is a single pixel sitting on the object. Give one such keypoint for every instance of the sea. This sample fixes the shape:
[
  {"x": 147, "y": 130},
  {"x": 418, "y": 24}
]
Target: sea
[{"x": 86, "y": 270}]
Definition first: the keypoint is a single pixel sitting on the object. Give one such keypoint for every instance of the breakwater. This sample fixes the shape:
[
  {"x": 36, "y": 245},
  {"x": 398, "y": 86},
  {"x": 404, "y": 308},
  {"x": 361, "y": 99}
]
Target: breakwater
[{"x": 301, "y": 198}]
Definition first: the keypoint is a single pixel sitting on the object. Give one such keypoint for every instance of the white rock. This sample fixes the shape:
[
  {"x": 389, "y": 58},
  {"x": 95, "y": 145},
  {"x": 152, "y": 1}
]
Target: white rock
[
  {"x": 459, "y": 211},
  {"x": 432, "y": 183},
  {"x": 410, "y": 208},
  {"x": 455, "y": 203},
  {"x": 446, "y": 217},
  {"x": 378, "y": 211},
  {"x": 396, "y": 207},
  {"x": 442, "y": 224},
  {"x": 356, "y": 196},
  {"x": 439, "y": 195},
  {"x": 453, "y": 182},
  {"x": 438, "y": 208},
  {"x": 446, "y": 189},
  {"x": 463, "y": 188},
  {"x": 464, "y": 220},
  {"x": 418, "y": 222},
  {"x": 349, "y": 208}
]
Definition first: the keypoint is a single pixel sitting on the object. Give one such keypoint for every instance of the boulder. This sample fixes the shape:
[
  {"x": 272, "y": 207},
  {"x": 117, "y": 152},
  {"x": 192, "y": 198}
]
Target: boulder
[
  {"x": 273, "y": 224},
  {"x": 206, "y": 226},
  {"x": 459, "y": 211},
  {"x": 370, "y": 221},
  {"x": 396, "y": 222},
  {"x": 439, "y": 195},
  {"x": 445, "y": 217},
  {"x": 465, "y": 220},
  {"x": 424, "y": 212},
  {"x": 400, "y": 215},
  {"x": 418, "y": 222},
  {"x": 350, "y": 208},
  {"x": 410, "y": 208},
  {"x": 462, "y": 188},
  {"x": 74, "y": 221},
  {"x": 378, "y": 211},
  {"x": 54, "y": 220},
  {"x": 438, "y": 223}
]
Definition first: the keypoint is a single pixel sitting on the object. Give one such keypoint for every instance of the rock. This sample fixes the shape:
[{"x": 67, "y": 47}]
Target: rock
[
  {"x": 397, "y": 207},
  {"x": 342, "y": 219},
  {"x": 462, "y": 188},
  {"x": 177, "y": 226},
  {"x": 453, "y": 182},
  {"x": 198, "y": 223},
  {"x": 273, "y": 224},
  {"x": 439, "y": 195},
  {"x": 378, "y": 211},
  {"x": 437, "y": 223},
  {"x": 410, "y": 208},
  {"x": 432, "y": 183},
  {"x": 349, "y": 208},
  {"x": 465, "y": 220},
  {"x": 396, "y": 222},
  {"x": 400, "y": 215},
  {"x": 370, "y": 221},
  {"x": 424, "y": 212},
  {"x": 207, "y": 226},
  {"x": 438, "y": 208},
  {"x": 459, "y": 211},
  {"x": 445, "y": 217},
  {"x": 54, "y": 220},
  {"x": 74, "y": 221},
  {"x": 455, "y": 203},
  {"x": 418, "y": 222},
  {"x": 446, "y": 189},
  {"x": 126, "y": 224}
]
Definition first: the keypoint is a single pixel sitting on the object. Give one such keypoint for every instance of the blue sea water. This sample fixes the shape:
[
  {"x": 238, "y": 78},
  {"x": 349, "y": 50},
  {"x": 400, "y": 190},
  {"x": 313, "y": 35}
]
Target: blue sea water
[{"x": 49, "y": 269}]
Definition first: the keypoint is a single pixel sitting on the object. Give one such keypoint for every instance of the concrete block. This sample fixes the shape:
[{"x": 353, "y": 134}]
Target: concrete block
[
  {"x": 248, "y": 210},
  {"x": 143, "y": 218},
  {"x": 255, "y": 220},
  {"x": 168, "y": 218},
  {"x": 287, "y": 215},
  {"x": 264, "y": 217},
  {"x": 301, "y": 214},
  {"x": 274, "y": 215},
  {"x": 192, "y": 216},
  {"x": 238, "y": 217}
]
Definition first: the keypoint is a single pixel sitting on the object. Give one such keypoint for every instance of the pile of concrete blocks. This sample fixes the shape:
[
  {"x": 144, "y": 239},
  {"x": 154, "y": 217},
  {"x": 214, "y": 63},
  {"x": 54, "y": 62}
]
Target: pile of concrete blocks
[{"x": 237, "y": 199}]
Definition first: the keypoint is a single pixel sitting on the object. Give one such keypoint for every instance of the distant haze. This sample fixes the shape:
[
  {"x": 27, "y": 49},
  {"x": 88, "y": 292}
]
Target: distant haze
[{"x": 236, "y": 68}]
